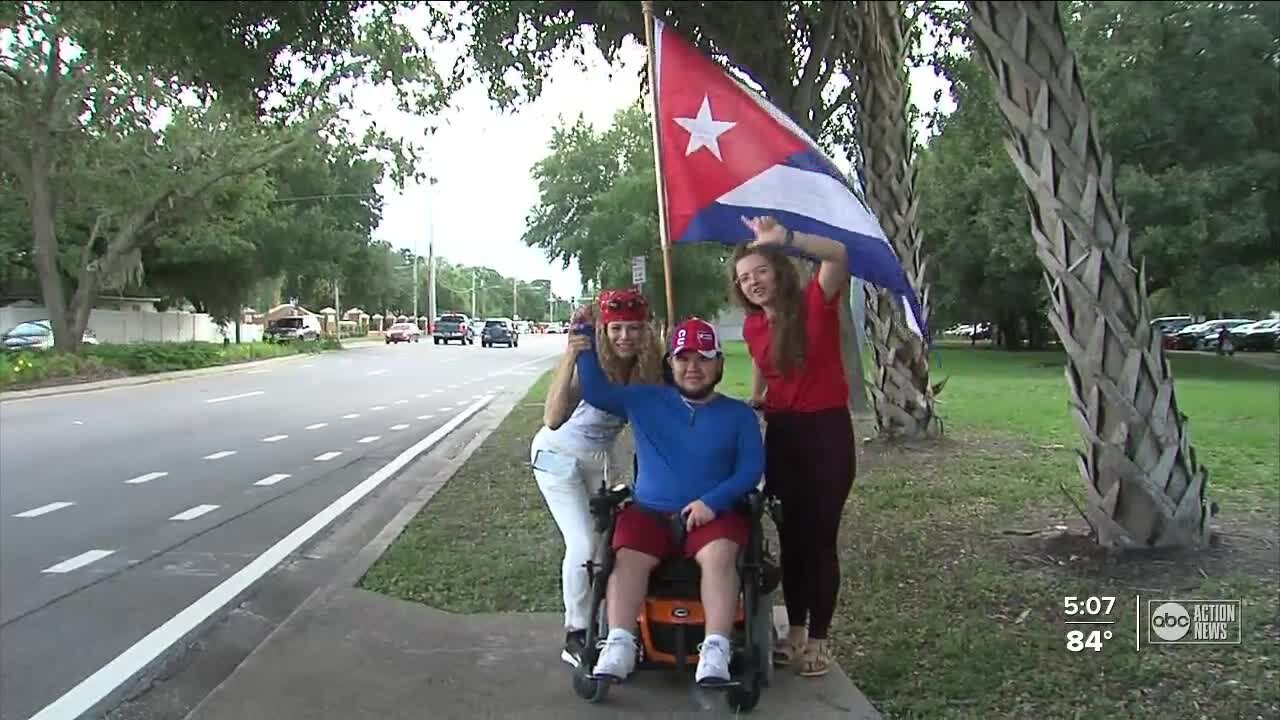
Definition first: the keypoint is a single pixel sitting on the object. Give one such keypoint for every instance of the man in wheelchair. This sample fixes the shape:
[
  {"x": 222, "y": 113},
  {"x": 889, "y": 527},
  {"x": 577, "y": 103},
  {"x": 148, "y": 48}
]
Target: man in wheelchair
[{"x": 698, "y": 454}]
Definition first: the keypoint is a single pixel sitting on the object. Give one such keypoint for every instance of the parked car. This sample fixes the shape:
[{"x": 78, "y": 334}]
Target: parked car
[
  {"x": 499, "y": 331},
  {"x": 300, "y": 327},
  {"x": 1260, "y": 335},
  {"x": 1203, "y": 336},
  {"x": 37, "y": 335},
  {"x": 403, "y": 332},
  {"x": 453, "y": 326}
]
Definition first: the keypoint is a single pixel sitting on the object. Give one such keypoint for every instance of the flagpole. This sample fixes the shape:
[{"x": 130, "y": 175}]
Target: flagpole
[{"x": 647, "y": 5}]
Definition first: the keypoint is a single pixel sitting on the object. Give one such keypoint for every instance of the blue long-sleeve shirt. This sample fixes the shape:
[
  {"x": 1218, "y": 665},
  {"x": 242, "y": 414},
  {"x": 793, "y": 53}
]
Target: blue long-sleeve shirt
[{"x": 710, "y": 451}]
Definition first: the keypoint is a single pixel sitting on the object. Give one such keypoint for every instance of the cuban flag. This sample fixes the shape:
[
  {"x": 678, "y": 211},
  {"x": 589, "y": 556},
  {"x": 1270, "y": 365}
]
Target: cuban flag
[{"x": 728, "y": 153}]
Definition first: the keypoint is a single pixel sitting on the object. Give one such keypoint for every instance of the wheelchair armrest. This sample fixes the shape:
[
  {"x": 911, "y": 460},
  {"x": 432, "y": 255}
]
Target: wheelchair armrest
[
  {"x": 752, "y": 504},
  {"x": 607, "y": 500}
]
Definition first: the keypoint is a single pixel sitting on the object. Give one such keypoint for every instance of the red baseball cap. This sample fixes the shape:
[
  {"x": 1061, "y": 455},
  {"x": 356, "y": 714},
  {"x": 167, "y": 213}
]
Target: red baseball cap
[{"x": 696, "y": 334}]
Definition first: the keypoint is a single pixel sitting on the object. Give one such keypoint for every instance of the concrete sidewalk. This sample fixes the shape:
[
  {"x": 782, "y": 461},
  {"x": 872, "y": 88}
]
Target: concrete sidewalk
[{"x": 349, "y": 653}]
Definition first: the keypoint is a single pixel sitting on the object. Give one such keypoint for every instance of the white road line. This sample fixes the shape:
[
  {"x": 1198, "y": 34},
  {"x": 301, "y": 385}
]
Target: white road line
[
  {"x": 308, "y": 366},
  {"x": 376, "y": 372},
  {"x": 453, "y": 387},
  {"x": 476, "y": 397},
  {"x": 78, "y": 561},
  {"x": 194, "y": 512},
  {"x": 421, "y": 396},
  {"x": 401, "y": 426},
  {"x": 376, "y": 408},
  {"x": 145, "y": 478},
  {"x": 326, "y": 457},
  {"x": 435, "y": 392},
  {"x": 401, "y": 402},
  {"x": 44, "y": 509},
  {"x": 258, "y": 372},
  {"x": 272, "y": 479},
  {"x": 220, "y": 454},
  {"x": 236, "y": 397},
  {"x": 351, "y": 416},
  {"x": 460, "y": 403},
  {"x": 274, "y": 438},
  {"x": 425, "y": 417},
  {"x": 316, "y": 426},
  {"x": 368, "y": 439},
  {"x": 93, "y": 689},
  {"x": 78, "y": 422}
]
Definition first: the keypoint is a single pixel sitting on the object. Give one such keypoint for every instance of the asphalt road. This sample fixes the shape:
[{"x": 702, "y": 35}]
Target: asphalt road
[{"x": 121, "y": 507}]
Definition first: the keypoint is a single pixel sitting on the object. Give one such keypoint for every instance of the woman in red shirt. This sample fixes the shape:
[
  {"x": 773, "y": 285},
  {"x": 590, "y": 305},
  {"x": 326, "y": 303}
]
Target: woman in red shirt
[{"x": 793, "y": 333}]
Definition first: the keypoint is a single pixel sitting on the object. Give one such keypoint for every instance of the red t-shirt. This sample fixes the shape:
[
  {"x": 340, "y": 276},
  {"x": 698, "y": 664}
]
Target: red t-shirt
[{"x": 820, "y": 384}]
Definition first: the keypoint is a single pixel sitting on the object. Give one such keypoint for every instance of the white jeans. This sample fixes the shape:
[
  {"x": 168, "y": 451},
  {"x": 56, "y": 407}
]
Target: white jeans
[{"x": 567, "y": 479}]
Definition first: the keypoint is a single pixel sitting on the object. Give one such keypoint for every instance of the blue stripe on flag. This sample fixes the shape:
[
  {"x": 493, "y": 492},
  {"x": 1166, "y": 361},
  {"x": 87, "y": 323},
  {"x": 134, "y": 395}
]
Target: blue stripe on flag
[{"x": 870, "y": 258}]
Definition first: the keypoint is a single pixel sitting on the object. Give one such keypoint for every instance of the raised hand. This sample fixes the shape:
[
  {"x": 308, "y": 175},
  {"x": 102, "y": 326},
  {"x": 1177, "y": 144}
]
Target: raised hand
[{"x": 767, "y": 231}]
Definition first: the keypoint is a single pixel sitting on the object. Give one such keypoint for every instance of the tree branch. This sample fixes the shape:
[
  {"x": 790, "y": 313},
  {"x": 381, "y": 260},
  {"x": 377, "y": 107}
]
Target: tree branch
[
  {"x": 53, "y": 73},
  {"x": 807, "y": 84},
  {"x": 822, "y": 115},
  {"x": 86, "y": 253},
  {"x": 16, "y": 78}
]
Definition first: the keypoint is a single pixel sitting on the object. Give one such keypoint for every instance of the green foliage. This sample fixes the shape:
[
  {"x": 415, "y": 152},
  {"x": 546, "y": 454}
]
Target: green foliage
[
  {"x": 1185, "y": 96},
  {"x": 31, "y": 368},
  {"x": 143, "y": 126},
  {"x": 598, "y": 205}
]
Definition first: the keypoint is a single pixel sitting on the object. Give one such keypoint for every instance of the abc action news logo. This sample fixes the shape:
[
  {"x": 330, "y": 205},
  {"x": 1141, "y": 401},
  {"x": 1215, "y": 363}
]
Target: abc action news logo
[{"x": 1193, "y": 622}]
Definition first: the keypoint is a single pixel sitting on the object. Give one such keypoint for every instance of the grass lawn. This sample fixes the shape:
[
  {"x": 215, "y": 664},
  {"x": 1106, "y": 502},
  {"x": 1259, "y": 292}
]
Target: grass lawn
[
  {"x": 41, "y": 368},
  {"x": 954, "y": 562}
]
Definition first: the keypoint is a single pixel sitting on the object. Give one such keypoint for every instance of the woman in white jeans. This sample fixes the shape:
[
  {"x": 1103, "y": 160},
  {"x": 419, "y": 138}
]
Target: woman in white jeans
[{"x": 571, "y": 452}]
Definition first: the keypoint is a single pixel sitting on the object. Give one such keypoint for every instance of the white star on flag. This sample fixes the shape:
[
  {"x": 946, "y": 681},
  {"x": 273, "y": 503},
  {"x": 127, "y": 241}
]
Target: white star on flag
[{"x": 704, "y": 131}]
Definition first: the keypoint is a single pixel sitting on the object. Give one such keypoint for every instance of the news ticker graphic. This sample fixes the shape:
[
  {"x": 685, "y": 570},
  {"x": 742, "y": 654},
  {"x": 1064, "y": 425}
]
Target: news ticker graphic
[{"x": 1164, "y": 622}]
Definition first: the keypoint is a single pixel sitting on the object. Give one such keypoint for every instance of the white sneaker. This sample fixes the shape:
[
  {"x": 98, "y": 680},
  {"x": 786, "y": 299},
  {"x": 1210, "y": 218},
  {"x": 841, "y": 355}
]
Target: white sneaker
[
  {"x": 713, "y": 661},
  {"x": 617, "y": 655}
]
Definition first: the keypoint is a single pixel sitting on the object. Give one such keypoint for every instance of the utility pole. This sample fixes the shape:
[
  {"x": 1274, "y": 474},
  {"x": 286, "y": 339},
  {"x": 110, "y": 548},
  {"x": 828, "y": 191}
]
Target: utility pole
[
  {"x": 473, "y": 293},
  {"x": 415, "y": 281},
  {"x": 515, "y": 312},
  {"x": 431, "y": 259},
  {"x": 431, "y": 289}
]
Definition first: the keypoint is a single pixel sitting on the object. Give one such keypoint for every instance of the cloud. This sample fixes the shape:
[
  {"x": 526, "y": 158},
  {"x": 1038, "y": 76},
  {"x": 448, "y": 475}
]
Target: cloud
[{"x": 482, "y": 159}]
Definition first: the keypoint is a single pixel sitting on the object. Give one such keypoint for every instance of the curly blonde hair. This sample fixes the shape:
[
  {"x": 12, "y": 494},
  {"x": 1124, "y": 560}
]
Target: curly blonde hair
[{"x": 645, "y": 368}]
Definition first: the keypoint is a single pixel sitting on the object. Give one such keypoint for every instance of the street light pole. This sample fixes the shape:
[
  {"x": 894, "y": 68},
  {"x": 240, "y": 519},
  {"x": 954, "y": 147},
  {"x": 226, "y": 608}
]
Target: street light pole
[
  {"x": 515, "y": 313},
  {"x": 473, "y": 293}
]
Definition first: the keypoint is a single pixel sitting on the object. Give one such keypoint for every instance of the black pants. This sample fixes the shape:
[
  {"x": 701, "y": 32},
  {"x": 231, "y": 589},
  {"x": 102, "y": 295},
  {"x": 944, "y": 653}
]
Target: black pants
[{"x": 810, "y": 463}]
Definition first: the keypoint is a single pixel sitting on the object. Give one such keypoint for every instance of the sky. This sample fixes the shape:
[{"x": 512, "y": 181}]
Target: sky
[{"x": 482, "y": 159}]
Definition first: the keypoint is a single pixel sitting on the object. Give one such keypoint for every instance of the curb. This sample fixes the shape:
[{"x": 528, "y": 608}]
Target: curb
[
  {"x": 350, "y": 572},
  {"x": 73, "y": 388}
]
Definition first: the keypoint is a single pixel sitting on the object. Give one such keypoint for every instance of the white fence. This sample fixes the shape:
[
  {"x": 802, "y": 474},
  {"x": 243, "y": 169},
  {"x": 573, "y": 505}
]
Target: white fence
[{"x": 129, "y": 326}]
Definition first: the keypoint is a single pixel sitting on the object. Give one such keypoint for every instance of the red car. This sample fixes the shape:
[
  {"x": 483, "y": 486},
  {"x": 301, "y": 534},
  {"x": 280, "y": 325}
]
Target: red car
[{"x": 403, "y": 332}]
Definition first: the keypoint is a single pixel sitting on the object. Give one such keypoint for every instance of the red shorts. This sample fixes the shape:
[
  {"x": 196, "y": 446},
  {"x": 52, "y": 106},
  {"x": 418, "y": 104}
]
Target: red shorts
[{"x": 644, "y": 532}]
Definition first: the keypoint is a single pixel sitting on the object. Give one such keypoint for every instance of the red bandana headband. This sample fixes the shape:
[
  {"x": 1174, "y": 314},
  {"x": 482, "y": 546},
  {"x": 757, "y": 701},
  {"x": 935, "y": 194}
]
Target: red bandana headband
[{"x": 622, "y": 306}]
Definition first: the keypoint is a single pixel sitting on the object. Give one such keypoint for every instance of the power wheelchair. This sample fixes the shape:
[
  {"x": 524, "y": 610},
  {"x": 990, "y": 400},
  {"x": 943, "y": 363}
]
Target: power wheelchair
[{"x": 671, "y": 618}]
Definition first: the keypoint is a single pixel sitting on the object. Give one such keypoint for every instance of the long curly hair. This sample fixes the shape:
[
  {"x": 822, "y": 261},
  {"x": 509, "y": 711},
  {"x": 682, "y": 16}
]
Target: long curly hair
[
  {"x": 787, "y": 339},
  {"x": 645, "y": 368}
]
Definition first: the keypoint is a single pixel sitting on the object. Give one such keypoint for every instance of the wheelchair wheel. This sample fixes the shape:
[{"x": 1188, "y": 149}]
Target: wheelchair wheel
[
  {"x": 591, "y": 689},
  {"x": 743, "y": 698}
]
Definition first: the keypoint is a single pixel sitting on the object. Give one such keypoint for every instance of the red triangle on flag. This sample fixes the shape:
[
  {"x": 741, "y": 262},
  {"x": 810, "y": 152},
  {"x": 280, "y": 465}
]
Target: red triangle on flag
[{"x": 713, "y": 134}]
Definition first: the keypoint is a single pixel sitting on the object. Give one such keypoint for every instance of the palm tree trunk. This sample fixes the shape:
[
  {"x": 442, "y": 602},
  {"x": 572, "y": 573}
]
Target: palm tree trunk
[
  {"x": 1143, "y": 485},
  {"x": 903, "y": 399}
]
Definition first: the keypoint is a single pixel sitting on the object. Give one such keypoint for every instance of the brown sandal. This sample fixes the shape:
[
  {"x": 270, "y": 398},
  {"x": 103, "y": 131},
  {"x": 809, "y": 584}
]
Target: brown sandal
[{"x": 816, "y": 660}]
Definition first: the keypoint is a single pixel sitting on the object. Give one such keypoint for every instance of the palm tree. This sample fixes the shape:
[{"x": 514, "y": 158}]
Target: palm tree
[
  {"x": 1143, "y": 485},
  {"x": 903, "y": 399}
]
